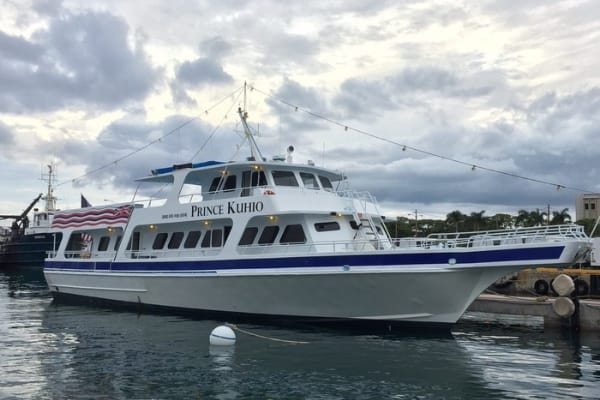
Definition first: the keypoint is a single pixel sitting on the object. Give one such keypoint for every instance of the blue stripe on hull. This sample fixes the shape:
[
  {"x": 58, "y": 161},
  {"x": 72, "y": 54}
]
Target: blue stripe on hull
[{"x": 352, "y": 260}]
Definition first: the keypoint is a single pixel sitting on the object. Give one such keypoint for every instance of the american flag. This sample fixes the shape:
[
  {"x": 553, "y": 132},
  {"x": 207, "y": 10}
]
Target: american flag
[{"x": 92, "y": 217}]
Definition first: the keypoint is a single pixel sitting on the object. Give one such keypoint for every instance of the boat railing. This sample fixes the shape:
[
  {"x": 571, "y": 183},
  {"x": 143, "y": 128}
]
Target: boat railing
[{"x": 515, "y": 236}]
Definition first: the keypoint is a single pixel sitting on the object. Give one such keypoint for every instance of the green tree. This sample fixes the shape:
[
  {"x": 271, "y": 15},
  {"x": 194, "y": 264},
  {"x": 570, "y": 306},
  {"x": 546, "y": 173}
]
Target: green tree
[
  {"x": 455, "y": 218},
  {"x": 476, "y": 220},
  {"x": 560, "y": 217}
]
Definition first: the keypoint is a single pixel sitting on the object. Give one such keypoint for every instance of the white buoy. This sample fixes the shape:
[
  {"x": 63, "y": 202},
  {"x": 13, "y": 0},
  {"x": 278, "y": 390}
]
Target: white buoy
[
  {"x": 563, "y": 285},
  {"x": 222, "y": 336}
]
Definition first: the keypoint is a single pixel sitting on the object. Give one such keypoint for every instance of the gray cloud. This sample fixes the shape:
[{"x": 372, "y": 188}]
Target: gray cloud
[
  {"x": 80, "y": 59},
  {"x": 202, "y": 71},
  {"x": 6, "y": 137}
]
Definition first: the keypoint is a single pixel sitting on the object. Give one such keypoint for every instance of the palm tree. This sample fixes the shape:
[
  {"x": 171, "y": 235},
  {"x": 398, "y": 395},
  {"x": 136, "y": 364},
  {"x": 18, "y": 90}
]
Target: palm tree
[
  {"x": 522, "y": 218},
  {"x": 560, "y": 217},
  {"x": 454, "y": 218},
  {"x": 477, "y": 219},
  {"x": 536, "y": 218},
  {"x": 503, "y": 221}
]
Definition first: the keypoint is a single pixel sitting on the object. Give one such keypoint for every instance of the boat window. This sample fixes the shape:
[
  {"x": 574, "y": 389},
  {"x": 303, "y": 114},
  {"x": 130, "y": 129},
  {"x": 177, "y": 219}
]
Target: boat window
[
  {"x": 378, "y": 229},
  {"x": 284, "y": 178},
  {"x": 117, "y": 242},
  {"x": 309, "y": 180},
  {"x": 159, "y": 241},
  {"x": 175, "y": 240},
  {"x": 214, "y": 184},
  {"x": 192, "y": 239},
  {"x": 226, "y": 231},
  {"x": 248, "y": 236},
  {"x": 103, "y": 244},
  {"x": 230, "y": 183},
  {"x": 268, "y": 235},
  {"x": 326, "y": 183},
  {"x": 259, "y": 178},
  {"x": 134, "y": 242},
  {"x": 206, "y": 239},
  {"x": 75, "y": 245},
  {"x": 293, "y": 234},
  {"x": 217, "y": 238},
  {"x": 327, "y": 226}
]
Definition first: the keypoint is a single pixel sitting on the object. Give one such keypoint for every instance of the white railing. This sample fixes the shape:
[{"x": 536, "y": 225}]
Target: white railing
[
  {"x": 548, "y": 233},
  {"x": 519, "y": 236}
]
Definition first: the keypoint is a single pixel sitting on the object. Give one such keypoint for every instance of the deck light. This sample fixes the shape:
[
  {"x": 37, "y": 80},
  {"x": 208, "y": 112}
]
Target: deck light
[{"x": 152, "y": 226}]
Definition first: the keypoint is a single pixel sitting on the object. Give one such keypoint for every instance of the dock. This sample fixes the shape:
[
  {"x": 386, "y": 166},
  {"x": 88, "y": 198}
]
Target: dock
[{"x": 585, "y": 318}]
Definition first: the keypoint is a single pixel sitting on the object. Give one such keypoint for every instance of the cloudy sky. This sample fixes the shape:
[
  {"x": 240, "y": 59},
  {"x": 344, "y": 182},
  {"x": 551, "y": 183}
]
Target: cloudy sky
[{"x": 512, "y": 86}]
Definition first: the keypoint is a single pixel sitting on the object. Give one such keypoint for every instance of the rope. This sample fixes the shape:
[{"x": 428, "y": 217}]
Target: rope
[
  {"x": 176, "y": 129},
  {"x": 346, "y": 127},
  {"x": 236, "y": 328}
]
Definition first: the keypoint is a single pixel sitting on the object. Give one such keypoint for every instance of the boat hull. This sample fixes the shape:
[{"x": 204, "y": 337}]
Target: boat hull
[
  {"x": 375, "y": 286},
  {"x": 28, "y": 250}
]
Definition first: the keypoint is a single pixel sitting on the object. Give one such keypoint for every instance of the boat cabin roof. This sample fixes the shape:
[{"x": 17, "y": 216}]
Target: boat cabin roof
[{"x": 199, "y": 173}]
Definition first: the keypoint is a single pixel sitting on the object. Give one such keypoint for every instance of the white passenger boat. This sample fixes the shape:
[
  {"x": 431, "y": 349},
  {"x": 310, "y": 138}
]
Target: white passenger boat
[{"x": 279, "y": 239}]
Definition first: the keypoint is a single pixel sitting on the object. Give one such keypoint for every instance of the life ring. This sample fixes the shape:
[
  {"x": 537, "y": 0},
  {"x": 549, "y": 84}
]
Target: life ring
[
  {"x": 541, "y": 287},
  {"x": 268, "y": 192},
  {"x": 581, "y": 287}
]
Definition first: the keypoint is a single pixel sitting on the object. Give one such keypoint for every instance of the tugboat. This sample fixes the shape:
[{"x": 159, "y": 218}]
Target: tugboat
[{"x": 26, "y": 243}]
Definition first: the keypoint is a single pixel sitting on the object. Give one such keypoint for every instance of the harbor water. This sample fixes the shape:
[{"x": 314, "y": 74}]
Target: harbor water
[{"x": 51, "y": 350}]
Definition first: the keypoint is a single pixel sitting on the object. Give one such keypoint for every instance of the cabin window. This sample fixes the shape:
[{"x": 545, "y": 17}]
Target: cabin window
[
  {"x": 259, "y": 178},
  {"x": 175, "y": 240},
  {"x": 248, "y": 236},
  {"x": 217, "y": 238},
  {"x": 226, "y": 231},
  {"x": 75, "y": 245},
  {"x": 293, "y": 234},
  {"x": 159, "y": 241},
  {"x": 103, "y": 244},
  {"x": 214, "y": 184},
  {"x": 327, "y": 226},
  {"x": 206, "y": 239},
  {"x": 134, "y": 242},
  {"x": 252, "y": 179},
  {"x": 268, "y": 235},
  {"x": 309, "y": 180},
  {"x": 192, "y": 239},
  {"x": 230, "y": 183},
  {"x": 117, "y": 243},
  {"x": 284, "y": 178},
  {"x": 212, "y": 238},
  {"x": 326, "y": 183}
]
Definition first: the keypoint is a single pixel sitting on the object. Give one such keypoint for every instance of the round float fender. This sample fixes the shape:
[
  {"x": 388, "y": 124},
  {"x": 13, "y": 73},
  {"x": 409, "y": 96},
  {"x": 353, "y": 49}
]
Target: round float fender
[
  {"x": 581, "y": 287},
  {"x": 541, "y": 287}
]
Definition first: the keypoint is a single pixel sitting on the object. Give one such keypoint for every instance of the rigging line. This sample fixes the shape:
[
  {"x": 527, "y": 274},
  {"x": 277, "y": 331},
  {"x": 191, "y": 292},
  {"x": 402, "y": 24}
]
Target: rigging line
[
  {"x": 217, "y": 127},
  {"x": 429, "y": 153},
  {"x": 152, "y": 142}
]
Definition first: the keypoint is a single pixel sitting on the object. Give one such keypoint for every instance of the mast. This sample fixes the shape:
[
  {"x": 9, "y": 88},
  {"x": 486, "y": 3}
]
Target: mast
[
  {"x": 255, "y": 153},
  {"x": 49, "y": 198}
]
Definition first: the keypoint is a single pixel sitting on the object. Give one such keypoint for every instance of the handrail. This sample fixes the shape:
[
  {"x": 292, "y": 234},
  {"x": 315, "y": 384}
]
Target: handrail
[{"x": 508, "y": 236}]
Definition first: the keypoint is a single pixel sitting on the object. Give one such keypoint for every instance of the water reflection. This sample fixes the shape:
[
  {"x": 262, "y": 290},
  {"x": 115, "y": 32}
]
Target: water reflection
[{"x": 51, "y": 350}]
